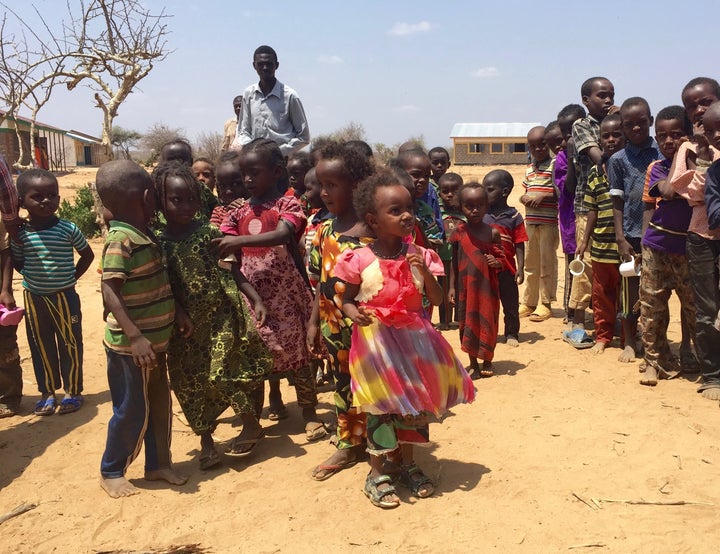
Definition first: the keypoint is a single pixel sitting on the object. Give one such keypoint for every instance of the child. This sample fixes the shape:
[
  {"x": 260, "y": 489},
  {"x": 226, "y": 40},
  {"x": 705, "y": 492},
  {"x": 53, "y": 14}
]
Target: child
[
  {"x": 298, "y": 165},
  {"x": 401, "y": 368},
  {"x": 266, "y": 231},
  {"x": 626, "y": 174},
  {"x": 664, "y": 263},
  {"x": 509, "y": 222},
  {"x": 139, "y": 313},
  {"x": 541, "y": 214},
  {"x": 224, "y": 361},
  {"x": 597, "y": 95},
  {"x": 417, "y": 165},
  {"x": 439, "y": 162},
  {"x": 179, "y": 150},
  {"x": 687, "y": 178},
  {"x": 11, "y": 383},
  {"x": 599, "y": 234},
  {"x": 319, "y": 214},
  {"x": 449, "y": 186},
  {"x": 43, "y": 254},
  {"x": 477, "y": 258},
  {"x": 204, "y": 171},
  {"x": 230, "y": 186},
  {"x": 339, "y": 170}
]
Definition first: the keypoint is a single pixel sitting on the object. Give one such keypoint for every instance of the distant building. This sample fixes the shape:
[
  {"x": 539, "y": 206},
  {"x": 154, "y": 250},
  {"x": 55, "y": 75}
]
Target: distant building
[
  {"x": 490, "y": 143},
  {"x": 55, "y": 148}
]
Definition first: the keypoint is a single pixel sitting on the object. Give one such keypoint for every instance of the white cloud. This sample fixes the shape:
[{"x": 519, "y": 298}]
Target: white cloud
[
  {"x": 406, "y": 108},
  {"x": 485, "y": 72},
  {"x": 331, "y": 60},
  {"x": 402, "y": 29}
]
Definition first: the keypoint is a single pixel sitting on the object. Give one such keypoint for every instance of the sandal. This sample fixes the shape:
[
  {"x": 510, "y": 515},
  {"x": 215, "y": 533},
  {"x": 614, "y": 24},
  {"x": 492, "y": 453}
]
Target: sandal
[
  {"x": 70, "y": 404},
  {"x": 45, "y": 406},
  {"x": 413, "y": 478},
  {"x": 6, "y": 411},
  {"x": 242, "y": 448},
  {"x": 376, "y": 495},
  {"x": 277, "y": 413},
  {"x": 688, "y": 362},
  {"x": 210, "y": 460},
  {"x": 315, "y": 430}
]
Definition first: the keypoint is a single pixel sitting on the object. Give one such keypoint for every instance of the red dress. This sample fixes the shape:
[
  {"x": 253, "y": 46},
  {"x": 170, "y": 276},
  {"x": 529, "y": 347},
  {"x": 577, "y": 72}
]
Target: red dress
[{"x": 477, "y": 294}]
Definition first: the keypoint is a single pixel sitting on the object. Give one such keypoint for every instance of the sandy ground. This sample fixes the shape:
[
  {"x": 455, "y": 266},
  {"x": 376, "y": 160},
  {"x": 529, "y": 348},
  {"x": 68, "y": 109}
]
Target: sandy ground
[{"x": 552, "y": 424}]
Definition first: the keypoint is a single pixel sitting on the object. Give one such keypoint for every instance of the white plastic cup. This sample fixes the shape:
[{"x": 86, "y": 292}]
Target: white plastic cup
[
  {"x": 576, "y": 267},
  {"x": 628, "y": 269}
]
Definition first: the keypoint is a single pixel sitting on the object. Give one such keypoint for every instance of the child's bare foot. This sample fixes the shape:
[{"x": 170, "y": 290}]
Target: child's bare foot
[
  {"x": 651, "y": 377},
  {"x": 166, "y": 474},
  {"x": 341, "y": 459},
  {"x": 512, "y": 340},
  {"x": 627, "y": 355},
  {"x": 598, "y": 347},
  {"x": 711, "y": 392},
  {"x": 117, "y": 487}
]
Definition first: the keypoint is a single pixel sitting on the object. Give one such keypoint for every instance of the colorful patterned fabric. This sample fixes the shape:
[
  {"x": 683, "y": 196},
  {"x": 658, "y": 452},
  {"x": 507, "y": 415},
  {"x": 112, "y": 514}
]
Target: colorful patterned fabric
[
  {"x": 399, "y": 364},
  {"x": 477, "y": 294},
  {"x": 224, "y": 359},
  {"x": 511, "y": 226},
  {"x": 538, "y": 180},
  {"x": 603, "y": 245},
  {"x": 385, "y": 433}
]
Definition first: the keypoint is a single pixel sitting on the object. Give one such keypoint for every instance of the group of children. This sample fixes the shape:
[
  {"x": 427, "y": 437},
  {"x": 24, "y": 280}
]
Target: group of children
[{"x": 327, "y": 256}]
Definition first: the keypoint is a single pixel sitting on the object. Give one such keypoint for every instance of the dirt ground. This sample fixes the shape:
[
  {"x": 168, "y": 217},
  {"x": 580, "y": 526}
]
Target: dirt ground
[{"x": 562, "y": 450}]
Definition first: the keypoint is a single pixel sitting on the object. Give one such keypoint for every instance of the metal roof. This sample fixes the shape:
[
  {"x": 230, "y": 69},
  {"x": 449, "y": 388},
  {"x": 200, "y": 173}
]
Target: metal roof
[{"x": 469, "y": 130}]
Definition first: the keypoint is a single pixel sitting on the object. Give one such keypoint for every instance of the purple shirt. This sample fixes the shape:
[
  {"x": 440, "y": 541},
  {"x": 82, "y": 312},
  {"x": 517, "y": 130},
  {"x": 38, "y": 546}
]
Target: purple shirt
[
  {"x": 566, "y": 201},
  {"x": 669, "y": 224}
]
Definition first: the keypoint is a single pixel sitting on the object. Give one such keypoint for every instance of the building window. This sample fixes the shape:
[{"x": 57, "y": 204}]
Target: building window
[
  {"x": 478, "y": 148},
  {"x": 518, "y": 148},
  {"x": 496, "y": 148}
]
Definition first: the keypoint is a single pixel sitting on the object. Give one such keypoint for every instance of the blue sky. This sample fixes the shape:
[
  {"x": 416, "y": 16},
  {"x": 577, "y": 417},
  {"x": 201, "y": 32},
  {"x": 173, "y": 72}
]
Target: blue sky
[{"x": 403, "y": 69}]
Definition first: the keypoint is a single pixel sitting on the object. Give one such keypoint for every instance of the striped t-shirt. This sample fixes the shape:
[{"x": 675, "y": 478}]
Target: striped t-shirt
[
  {"x": 137, "y": 260},
  {"x": 47, "y": 257},
  {"x": 538, "y": 180},
  {"x": 603, "y": 246}
]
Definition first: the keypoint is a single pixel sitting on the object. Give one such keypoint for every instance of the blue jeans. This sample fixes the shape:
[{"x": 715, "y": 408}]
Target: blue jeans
[{"x": 141, "y": 412}]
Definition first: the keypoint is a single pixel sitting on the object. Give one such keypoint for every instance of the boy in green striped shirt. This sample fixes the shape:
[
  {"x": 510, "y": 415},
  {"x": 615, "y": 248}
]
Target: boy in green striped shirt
[{"x": 140, "y": 313}]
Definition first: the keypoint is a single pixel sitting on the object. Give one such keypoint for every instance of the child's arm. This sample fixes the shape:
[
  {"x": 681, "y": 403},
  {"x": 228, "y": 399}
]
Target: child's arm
[
  {"x": 570, "y": 177},
  {"x": 582, "y": 244},
  {"x": 142, "y": 350},
  {"x": 6, "y": 266},
  {"x": 495, "y": 262},
  {"x": 284, "y": 234},
  {"x": 452, "y": 285},
  {"x": 358, "y": 314},
  {"x": 251, "y": 294},
  {"x": 433, "y": 290},
  {"x": 312, "y": 337},
  {"x": 86, "y": 258}
]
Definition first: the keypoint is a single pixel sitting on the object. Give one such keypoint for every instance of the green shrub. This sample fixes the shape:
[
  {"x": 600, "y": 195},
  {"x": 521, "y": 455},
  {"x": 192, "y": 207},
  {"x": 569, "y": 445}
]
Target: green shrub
[{"x": 81, "y": 212}]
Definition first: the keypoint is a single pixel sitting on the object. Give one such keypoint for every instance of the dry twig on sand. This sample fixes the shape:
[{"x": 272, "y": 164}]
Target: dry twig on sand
[
  {"x": 21, "y": 509},
  {"x": 581, "y": 499},
  {"x": 588, "y": 545},
  {"x": 659, "y": 503}
]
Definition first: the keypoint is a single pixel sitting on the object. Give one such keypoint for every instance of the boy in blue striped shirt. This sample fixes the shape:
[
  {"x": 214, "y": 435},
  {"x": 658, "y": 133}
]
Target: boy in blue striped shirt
[{"x": 43, "y": 254}]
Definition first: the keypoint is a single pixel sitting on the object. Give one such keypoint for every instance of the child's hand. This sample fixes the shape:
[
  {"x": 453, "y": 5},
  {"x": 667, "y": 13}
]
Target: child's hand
[
  {"x": 237, "y": 203},
  {"x": 260, "y": 312},
  {"x": 142, "y": 352},
  {"x": 492, "y": 261},
  {"x": 520, "y": 276},
  {"x": 226, "y": 245},
  {"x": 184, "y": 326},
  {"x": 13, "y": 230},
  {"x": 363, "y": 316},
  {"x": 7, "y": 299},
  {"x": 312, "y": 338},
  {"x": 451, "y": 296},
  {"x": 613, "y": 109},
  {"x": 416, "y": 260},
  {"x": 625, "y": 250}
]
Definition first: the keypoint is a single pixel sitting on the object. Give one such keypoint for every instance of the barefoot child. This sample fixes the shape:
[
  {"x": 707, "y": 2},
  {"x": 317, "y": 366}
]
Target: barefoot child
[
  {"x": 139, "y": 312},
  {"x": 264, "y": 234},
  {"x": 401, "y": 368},
  {"x": 477, "y": 259},
  {"x": 449, "y": 186},
  {"x": 43, "y": 253},
  {"x": 224, "y": 361},
  {"x": 339, "y": 170}
]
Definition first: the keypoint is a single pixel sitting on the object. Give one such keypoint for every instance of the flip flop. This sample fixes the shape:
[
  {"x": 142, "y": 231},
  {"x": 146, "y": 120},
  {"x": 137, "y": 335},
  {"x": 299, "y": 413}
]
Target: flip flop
[
  {"x": 252, "y": 443},
  {"x": 315, "y": 430},
  {"x": 45, "y": 406},
  {"x": 209, "y": 461},
  {"x": 578, "y": 338},
  {"x": 276, "y": 414},
  {"x": 689, "y": 362},
  {"x": 70, "y": 404},
  {"x": 6, "y": 411},
  {"x": 330, "y": 470}
]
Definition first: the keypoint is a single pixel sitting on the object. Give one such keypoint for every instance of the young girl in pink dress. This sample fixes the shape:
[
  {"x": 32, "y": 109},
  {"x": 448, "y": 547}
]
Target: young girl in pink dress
[
  {"x": 401, "y": 368},
  {"x": 263, "y": 234}
]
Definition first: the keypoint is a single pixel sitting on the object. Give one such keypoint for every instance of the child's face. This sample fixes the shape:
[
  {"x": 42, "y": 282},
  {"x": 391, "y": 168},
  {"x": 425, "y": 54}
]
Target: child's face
[
  {"x": 337, "y": 186},
  {"x": 669, "y": 134},
  {"x": 439, "y": 163},
  {"x": 449, "y": 189},
  {"x": 496, "y": 192},
  {"x": 711, "y": 125},
  {"x": 565, "y": 124},
  {"x": 474, "y": 204},
  {"x": 418, "y": 167},
  {"x": 176, "y": 152},
  {"x": 394, "y": 214},
  {"x": 259, "y": 175},
  {"x": 265, "y": 66},
  {"x": 601, "y": 98},
  {"x": 296, "y": 174},
  {"x": 555, "y": 140},
  {"x": 205, "y": 173},
  {"x": 230, "y": 183},
  {"x": 41, "y": 199},
  {"x": 636, "y": 122},
  {"x": 612, "y": 138},
  {"x": 313, "y": 190},
  {"x": 537, "y": 145},
  {"x": 181, "y": 202},
  {"x": 696, "y": 101}
]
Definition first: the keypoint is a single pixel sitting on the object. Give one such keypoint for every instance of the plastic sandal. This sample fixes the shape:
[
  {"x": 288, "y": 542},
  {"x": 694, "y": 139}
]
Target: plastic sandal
[
  {"x": 45, "y": 406},
  {"x": 376, "y": 496},
  {"x": 413, "y": 478},
  {"x": 70, "y": 404}
]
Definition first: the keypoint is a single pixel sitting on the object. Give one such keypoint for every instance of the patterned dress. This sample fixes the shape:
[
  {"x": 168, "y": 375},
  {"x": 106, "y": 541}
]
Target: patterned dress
[
  {"x": 336, "y": 328},
  {"x": 399, "y": 364},
  {"x": 224, "y": 360},
  {"x": 477, "y": 293}
]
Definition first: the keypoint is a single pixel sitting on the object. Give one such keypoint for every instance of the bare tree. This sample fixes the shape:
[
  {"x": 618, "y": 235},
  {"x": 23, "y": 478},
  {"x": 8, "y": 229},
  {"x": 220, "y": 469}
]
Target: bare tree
[
  {"x": 107, "y": 45},
  {"x": 124, "y": 140},
  {"x": 157, "y": 135},
  {"x": 209, "y": 145},
  {"x": 351, "y": 131}
]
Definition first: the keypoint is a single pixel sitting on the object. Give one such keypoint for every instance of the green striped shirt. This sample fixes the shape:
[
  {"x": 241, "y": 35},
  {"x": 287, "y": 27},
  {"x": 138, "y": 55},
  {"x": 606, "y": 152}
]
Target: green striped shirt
[
  {"x": 134, "y": 258},
  {"x": 603, "y": 246}
]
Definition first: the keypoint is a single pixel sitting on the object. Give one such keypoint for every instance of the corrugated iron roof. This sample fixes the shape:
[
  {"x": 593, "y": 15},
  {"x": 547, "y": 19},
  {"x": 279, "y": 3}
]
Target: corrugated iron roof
[{"x": 468, "y": 130}]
